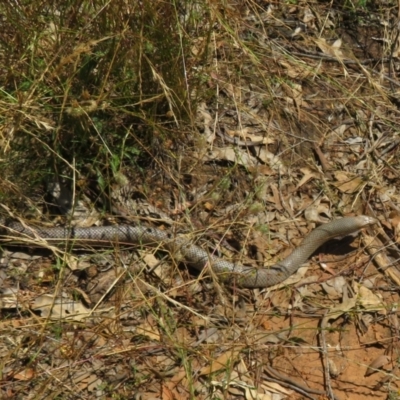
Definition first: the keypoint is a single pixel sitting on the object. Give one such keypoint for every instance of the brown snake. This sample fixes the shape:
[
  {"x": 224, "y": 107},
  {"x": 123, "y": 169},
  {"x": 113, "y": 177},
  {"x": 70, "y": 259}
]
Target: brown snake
[{"x": 243, "y": 276}]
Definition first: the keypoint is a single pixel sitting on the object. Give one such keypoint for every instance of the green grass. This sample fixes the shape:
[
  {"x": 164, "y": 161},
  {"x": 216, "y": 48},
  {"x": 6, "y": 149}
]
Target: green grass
[{"x": 93, "y": 88}]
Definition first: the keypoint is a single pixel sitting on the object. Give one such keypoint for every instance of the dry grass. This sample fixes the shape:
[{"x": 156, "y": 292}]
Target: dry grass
[{"x": 135, "y": 107}]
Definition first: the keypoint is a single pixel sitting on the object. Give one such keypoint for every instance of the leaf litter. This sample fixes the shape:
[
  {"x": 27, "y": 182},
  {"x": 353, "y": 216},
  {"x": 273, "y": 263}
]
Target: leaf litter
[{"x": 324, "y": 121}]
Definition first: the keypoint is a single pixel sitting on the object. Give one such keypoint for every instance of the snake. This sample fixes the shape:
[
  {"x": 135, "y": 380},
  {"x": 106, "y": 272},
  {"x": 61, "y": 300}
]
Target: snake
[{"x": 184, "y": 249}]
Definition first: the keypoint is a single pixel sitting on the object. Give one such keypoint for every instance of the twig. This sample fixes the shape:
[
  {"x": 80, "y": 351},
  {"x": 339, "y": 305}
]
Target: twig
[
  {"x": 322, "y": 159},
  {"x": 296, "y": 388},
  {"x": 344, "y": 61},
  {"x": 324, "y": 352},
  {"x": 285, "y": 380}
]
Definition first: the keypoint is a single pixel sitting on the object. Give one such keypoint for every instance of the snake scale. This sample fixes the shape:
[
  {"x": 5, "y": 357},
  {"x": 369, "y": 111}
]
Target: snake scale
[{"x": 243, "y": 276}]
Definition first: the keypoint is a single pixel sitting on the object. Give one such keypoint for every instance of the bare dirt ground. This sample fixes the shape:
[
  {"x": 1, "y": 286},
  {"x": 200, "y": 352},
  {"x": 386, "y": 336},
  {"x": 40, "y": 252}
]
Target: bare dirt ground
[{"x": 293, "y": 123}]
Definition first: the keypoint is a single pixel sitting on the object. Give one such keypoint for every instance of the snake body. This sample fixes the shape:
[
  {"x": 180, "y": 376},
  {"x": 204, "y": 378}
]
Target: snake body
[{"x": 243, "y": 276}]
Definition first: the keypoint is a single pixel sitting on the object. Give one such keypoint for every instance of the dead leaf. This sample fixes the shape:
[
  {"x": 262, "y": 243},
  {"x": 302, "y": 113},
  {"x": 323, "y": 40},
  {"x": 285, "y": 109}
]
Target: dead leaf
[
  {"x": 308, "y": 15},
  {"x": 348, "y": 182},
  {"x": 74, "y": 264},
  {"x": 294, "y": 91},
  {"x": 394, "y": 219},
  {"x": 277, "y": 388},
  {"x": 297, "y": 71},
  {"x": 340, "y": 309},
  {"x": 236, "y": 387},
  {"x": 150, "y": 260},
  {"x": 341, "y": 129},
  {"x": 308, "y": 175},
  {"x": 333, "y": 369},
  {"x": 369, "y": 300},
  {"x": 281, "y": 299},
  {"x": 224, "y": 361},
  {"x": 334, "y": 287},
  {"x": 9, "y": 297},
  {"x": 385, "y": 264},
  {"x": 180, "y": 378},
  {"x": 148, "y": 330},
  {"x": 60, "y": 308},
  {"x": 276, "y": 197},
  {"x": 332, "y": 50},
  {"x": 272, "y": 160},
  {"x": 262, "y": 170},
  {"x": 376, "y": 364},
  {"x": 244, "y": 134},
  {"x": 24, "y": 375},
  {"x": 209, "y": 206},
  {"x": 316, "y": 212},
  {"x": 94, "y": 383},
  {"x": 236, "y": 155},
  {"x": 167, "y": 393}
]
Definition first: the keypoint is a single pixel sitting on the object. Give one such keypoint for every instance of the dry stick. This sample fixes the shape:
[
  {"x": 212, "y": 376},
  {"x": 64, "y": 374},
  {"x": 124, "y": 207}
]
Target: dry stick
[
  {"x": 387, "y": 164},
  {"x": 290, "y": 386},
  {"x": 387, "y": 243},
  {"x": 283, "y": 201},
  {"x": 374, "y": 145},
  {"x": 390, "y": 62},
  {"x": 285, "y": 380},
  {"x": 324, "y": 352},
  {"x": 345, "y": 61},
  {"x": 322, "y": 159},
  {"x": 390, "y": 147},
  {"x": 326, "y": 167},
  {"x": 319, "y": 56}
]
